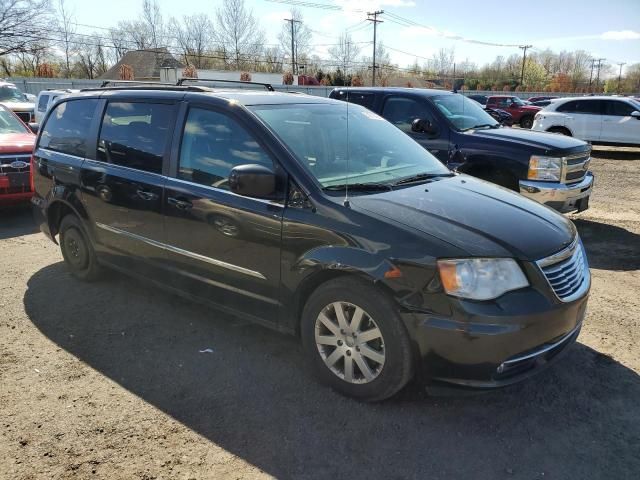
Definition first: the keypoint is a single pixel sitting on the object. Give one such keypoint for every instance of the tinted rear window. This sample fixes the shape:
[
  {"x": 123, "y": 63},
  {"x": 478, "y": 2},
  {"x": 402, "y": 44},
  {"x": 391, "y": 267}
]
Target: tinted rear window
[
  {"x": 364, "y": 99},
  {"x": 67, "y": 127},
  {"x": 135, "y": 135},
  {"x": 581, "y": 106}
]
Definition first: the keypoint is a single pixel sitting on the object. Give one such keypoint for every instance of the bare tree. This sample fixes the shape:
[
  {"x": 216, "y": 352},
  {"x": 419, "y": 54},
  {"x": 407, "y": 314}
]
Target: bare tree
[
  {"x": 67, "y": 30},
  {"x": 92, "y": 60},
  {"x": 153, "y": 23},
  {"x": 143, "y": 33},
  {"x": 30, "y": 58},
  {"x": 301, "y": 36},
  {"x": 22, "y": 22},
  {"x": 194, "y": 37},
  {"x": 239, "y": 32},
  {"x": 345, "y": 52}
]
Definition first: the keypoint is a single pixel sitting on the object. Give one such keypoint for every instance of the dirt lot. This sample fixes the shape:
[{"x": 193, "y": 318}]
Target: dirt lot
[{"x": 106, "y": 380}]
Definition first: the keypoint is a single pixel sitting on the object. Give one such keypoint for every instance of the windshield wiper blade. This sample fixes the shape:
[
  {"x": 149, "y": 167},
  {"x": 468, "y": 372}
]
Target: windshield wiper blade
[
  {"x": 421, "y": 177},
  {"x": 362, "y": 187},
  {"x": 490, "y": 125}
]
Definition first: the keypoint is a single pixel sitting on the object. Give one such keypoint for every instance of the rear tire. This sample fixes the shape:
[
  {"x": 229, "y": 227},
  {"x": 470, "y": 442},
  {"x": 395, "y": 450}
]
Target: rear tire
[
  {"x": 526, "y": 122},
  {"x": 355, "y": 340},
  {"x": 560, "y": 130},
  {"x": 77, "y": 250}
]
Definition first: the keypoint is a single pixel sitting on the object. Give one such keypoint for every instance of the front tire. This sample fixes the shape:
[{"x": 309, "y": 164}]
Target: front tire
[
  {"x": 355, "y": 340},
  {"x": 77, "y": 250},
  {"x": 526, "y": 122},
  {"x": 560, "y": 130}
]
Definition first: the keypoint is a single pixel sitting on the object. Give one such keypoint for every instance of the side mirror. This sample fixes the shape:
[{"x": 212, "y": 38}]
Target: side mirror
[
  {"x": 34, "y": 127},
  {"x": 422, "y": 125},
  {"x": 253, "y": 180},
  {"x": 636, "y": 114}
]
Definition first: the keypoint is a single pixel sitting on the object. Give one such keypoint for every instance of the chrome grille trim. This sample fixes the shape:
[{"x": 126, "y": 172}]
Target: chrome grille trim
[
  {"x": 574, "y": 167},
  {"x": 567, "y": 272}
]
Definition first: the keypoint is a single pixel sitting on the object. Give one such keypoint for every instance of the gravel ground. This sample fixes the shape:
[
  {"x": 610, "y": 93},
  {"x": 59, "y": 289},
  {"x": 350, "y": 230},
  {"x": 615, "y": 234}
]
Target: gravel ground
[{"x": 106, "y": 380}]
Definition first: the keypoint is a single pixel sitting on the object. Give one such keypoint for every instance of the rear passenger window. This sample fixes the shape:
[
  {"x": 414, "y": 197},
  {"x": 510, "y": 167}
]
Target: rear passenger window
[
  {"x": 364, "y": 99},
  {"x": 67, "y": 127},
  {"x": 135, "y": 135},
  {"x": 212, "y": 144},
  {"x": 402, "y": 112},
  {"x": 581, "y": 106}
]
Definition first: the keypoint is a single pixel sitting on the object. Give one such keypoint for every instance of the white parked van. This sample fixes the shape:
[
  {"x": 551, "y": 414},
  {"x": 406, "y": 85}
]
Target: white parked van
[{"x": 46, "y": 99}]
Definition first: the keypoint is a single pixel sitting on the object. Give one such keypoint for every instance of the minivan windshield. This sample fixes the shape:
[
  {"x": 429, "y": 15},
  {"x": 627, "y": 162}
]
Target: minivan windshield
[
  {"x": 359, "y": 149},
  {"x": 9, "y": 123},
  {"x": 463, "y": 113}
]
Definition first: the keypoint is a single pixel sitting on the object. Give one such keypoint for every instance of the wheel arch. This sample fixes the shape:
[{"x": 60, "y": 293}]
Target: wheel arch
[
  {"x": 326, "y": 264},
  {"x": 58, "y": 208}
]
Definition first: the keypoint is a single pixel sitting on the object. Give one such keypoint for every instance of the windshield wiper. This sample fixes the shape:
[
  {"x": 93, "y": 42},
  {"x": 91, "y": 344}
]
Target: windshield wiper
[
  {"x": 422, "y": 177},
  {"x": 490, "y": 125},
  {"x": 362, "y": 187}
]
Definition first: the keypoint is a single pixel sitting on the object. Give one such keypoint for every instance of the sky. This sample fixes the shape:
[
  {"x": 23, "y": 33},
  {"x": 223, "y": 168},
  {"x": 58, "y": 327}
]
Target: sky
[{"x": 609, "y": 30}]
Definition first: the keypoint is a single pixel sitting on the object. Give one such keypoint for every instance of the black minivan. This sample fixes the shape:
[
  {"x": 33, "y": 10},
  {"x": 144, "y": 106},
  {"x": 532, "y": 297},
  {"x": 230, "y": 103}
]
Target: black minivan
[{"x": 317, "y": 218}]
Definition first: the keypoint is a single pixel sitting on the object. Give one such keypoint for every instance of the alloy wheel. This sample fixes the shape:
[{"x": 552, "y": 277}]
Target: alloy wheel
[{"x": 350, "y": 342}]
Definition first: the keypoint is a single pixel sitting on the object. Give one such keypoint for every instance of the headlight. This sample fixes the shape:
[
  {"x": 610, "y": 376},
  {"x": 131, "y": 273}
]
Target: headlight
[
  {"x": 481, "y": 278},
  {"x": 544, "y": 168}
]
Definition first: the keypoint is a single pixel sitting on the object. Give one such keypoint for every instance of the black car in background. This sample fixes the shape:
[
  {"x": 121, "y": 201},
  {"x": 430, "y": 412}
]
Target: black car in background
[
  {"x": 481, "y": 99},
  {"x": 317, "y": 218},
  {"x": 548, "y": 168}
]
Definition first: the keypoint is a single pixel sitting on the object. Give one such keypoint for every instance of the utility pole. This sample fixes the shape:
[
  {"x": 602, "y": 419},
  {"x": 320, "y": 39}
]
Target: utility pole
[
  {"x": 593, "y": 62},
  {"x": 375, "y": 27},
  {"x": 620, "y": 75},
  {"x": 599, "y": 60},
  {"x": 293, "y": 50},
  {"x": 524, "y": 58}
]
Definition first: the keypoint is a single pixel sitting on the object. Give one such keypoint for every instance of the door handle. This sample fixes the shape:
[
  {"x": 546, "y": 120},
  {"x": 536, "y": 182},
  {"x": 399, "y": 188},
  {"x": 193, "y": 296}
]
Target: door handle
[
  {"x": 146, "y": 194},
  {"x": 180, "y": 203}
]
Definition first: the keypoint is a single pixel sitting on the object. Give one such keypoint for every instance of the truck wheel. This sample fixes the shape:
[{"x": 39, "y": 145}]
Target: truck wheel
[
  {"x": 560, "y": 130},
  {"x": 77, "y": 250},
  {"x": 355, "y": 340},
  {"x": 526, "y": 122}
]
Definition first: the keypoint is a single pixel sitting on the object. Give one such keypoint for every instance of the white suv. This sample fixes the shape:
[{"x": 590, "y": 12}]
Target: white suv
[{"x": 604, "y": 120}]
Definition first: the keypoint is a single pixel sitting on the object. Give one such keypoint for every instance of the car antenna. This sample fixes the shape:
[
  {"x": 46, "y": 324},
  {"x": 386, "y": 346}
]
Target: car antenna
[{"x": 346, "y": 179}]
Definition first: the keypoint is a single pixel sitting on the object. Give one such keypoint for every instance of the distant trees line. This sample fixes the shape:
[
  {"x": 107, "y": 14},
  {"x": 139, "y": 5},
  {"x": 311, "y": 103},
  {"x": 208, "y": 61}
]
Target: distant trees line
[{"x": 43, "y": 38}]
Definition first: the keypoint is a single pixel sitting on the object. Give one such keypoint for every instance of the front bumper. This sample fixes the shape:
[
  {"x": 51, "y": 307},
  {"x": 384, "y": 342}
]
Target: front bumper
[
  {"x": 490, "y": 345},
  {"x": 560, "y": 196}
]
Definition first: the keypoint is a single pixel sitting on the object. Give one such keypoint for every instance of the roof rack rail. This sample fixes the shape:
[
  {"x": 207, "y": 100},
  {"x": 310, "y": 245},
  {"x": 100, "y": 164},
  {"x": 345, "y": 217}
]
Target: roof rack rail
[
  {"x": 165, "y": 87},
  {"x": 267, "y": 86},
  {"x": 129, "y": 82}
]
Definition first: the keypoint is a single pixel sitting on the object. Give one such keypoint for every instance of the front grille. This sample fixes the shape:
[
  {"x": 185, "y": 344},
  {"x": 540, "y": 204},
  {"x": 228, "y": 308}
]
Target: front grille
[
  {"x": 567, "y": 271},
  {"x": 24, "y": 116},
  {"x": 18, "y": 163},
  {"x": 15, "y": 174},
  {"x": 575, "y": 167}
]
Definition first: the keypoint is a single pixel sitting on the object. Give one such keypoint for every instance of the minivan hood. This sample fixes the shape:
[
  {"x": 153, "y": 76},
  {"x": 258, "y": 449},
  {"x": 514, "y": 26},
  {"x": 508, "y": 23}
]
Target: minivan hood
[
  {"x": 476, "y": 216},
  {"x": 547, "y": 142}
]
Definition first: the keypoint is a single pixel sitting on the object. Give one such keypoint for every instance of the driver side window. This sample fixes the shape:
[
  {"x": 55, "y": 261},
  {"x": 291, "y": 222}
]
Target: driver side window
[
  {"x": 213, "y": 144},
  {"x": 402, "y": 111}
]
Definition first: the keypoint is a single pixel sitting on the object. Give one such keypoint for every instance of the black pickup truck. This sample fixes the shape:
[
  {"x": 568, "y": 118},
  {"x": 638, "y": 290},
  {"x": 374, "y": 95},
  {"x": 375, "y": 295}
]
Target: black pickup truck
[{"x": 551, "y": 169}]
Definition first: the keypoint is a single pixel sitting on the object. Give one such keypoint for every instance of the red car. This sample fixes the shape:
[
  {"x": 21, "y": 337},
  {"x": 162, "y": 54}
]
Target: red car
[
  {"x": 16, "y": 145},
  {"x": 520, "y": 111}
]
